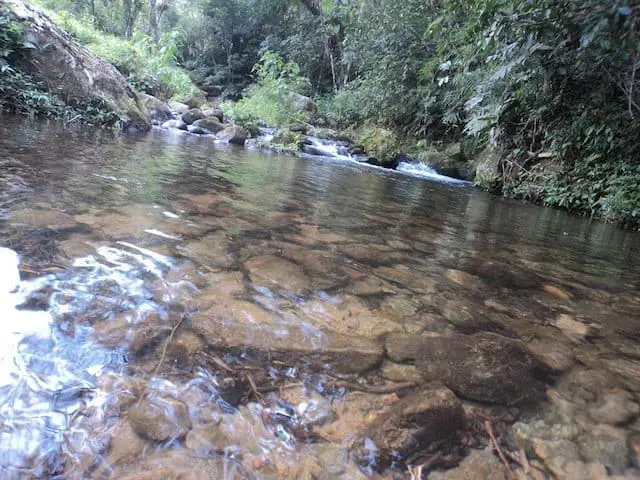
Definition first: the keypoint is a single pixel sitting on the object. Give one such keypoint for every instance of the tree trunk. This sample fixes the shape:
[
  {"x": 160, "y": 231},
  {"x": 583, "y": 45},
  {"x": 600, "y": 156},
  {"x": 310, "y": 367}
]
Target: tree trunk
[{"x": 153, "y": 20}]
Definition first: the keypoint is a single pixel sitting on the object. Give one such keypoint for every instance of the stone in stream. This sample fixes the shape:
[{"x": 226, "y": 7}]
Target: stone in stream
[
  {"x": 479, "y": 464},
  {"x": 234, "y": 134},
  {"x": 197, "y": 130},
  {"x": 605, "y": 445},
  {"x": 175, "y": 123},
  {"x": 242, "y": 326},
  {"x": 160, "y": 419},
  {"x": 209, "y": 112},
  {"x": 277, "y": 273},
  {"x": 178, "y": 108},
  {"x": 211, "y": 124},
  {"x": 192, "y": 115},
  {"x": 485, "y": 367},
  {"x": 157, "y": 110},
  {"x": 413, "y": 422}
]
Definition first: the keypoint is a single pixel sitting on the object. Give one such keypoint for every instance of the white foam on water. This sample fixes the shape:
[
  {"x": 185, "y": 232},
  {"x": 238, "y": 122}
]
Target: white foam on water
[
  {"x": 425, "y": 171},
  {"x": 158, "y": 233}
]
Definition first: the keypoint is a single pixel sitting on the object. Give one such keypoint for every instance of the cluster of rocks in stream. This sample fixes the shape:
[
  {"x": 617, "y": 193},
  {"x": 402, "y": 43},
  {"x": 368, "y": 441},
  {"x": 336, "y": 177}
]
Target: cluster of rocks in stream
[{"x": 313, "y": 353}]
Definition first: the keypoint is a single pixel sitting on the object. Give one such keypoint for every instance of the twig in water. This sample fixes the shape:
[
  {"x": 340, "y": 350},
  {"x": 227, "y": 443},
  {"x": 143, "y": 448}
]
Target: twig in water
[
  {"x": 254, "y": 388},
  {"x": 218, "y": 361},
  {"x": 389, "y": 388},
  {"x": 169, "y": 338},
  {"x": 489, "y": 427}
]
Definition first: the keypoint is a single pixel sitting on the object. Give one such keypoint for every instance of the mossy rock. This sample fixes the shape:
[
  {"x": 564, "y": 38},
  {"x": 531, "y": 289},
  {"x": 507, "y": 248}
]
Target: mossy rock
[
  {"x": 486, "y": 168},
  {"x": 380, "y": 143},
  {"x": 287, "y": 141},
  {"x": 447, "y": 160}
]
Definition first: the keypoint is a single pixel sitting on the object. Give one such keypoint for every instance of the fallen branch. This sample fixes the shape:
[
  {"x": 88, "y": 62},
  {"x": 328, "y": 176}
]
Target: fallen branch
[{"x": 254, "y": 388}]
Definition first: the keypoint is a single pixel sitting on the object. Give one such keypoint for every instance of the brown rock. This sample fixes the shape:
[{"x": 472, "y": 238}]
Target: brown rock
[
  {"x": 399, "y": 372},
  {"x": 275, "y": 272},
  {"x": 553, "y": 355},
  {"x": 414, "y": 421},
  {"x": 479, "y": 464},
  {"x": 211, "y": 124},
  {"x": 463, "y": 279},
  {"x": 607, "y": 446},
  {"x": 244, "y": 326},
  {"x": 614, "y": 407},
  {"x": 124, "y": 444},
  {"x": 485, "y": 367},
  {"x": 234, "y": 134},
  {"x": 160, "y": 419},
  {"x": 556, "y": 292},
  {"x": 192, "y": 115}
]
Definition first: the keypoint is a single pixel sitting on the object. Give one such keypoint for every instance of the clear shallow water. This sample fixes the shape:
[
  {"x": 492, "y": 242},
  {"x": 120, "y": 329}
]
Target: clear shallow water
[{"x": 243, "y": 303}]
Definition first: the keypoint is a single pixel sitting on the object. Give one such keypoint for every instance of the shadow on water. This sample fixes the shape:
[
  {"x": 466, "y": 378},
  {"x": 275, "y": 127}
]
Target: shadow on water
[{"x": 188, "y": 310}]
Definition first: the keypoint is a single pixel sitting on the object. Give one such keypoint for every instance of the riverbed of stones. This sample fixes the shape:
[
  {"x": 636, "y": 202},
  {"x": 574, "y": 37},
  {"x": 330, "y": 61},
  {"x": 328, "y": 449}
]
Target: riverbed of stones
[{"x": 281, "y": 348}]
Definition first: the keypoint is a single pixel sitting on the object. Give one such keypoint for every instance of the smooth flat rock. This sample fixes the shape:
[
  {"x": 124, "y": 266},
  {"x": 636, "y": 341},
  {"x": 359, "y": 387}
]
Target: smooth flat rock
[
  {"x": 240, "y": 325},
  {"x": 485, "y": 367}
]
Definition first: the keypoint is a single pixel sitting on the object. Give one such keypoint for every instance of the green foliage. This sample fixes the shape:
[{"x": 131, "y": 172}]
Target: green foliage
[
  {"x": 271, "y": 100},
  {"x": 18, "y": 91},
  {"x": 148, "y": 66}
]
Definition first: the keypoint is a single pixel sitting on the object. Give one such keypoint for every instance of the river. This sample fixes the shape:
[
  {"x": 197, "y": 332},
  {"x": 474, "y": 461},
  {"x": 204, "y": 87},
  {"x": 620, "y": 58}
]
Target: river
[{"x": 172, "y": 308}]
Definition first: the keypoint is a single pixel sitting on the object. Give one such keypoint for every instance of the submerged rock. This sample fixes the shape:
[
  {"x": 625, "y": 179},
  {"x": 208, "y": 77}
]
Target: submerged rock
[
  {"x": 479, "y": 464},
  {"x": 277, "y": 273},
  {"x": 72, "y": 72},
  {"x": 414, "y": 421},
  {"x": 160, "y": 419},
  {"x": 236, "y": 325},
  {"x": 485, "y": 367}
]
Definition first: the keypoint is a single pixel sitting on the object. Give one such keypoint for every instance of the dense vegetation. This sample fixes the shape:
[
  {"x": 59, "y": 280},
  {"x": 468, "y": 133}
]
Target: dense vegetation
[{"x": 539, "y": 99}]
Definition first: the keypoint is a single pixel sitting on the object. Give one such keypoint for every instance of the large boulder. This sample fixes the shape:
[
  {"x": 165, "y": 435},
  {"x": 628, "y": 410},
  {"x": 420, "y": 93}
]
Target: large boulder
[
  {"x": 233, "y": 134},
  {"x": 178, "y": 108},
  {"x": 72, "y": 72},
  {"x": 157, "y": 110},
  {"x": 486, "y": 168},
  {"x": 195, "y": 100}
]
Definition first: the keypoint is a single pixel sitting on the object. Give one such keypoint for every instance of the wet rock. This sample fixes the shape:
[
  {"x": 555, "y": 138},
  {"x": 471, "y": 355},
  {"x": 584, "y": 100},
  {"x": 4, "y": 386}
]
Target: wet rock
[
  {"x": 246, "y": 327},
  {"x": 413, "y": 421},
  {"x": 463, "y": 279},
  {"x": 556, "y": 292},
  {"x": 404, "y": 276},
  {"x": 211, "y": 250},
  {"x": 479, "y": 464},
  {"x": 398, "y": 306},
  {"x": 178, "y": 107},
  {"x": 197, "y": 130},
  {"x": 160, "y": 419},
  {"x": 45, "y": 218},
  {"x": 399, "y": 372},
  {"x": 370, "y": 286},
  {"x": 572, "y": 469},
  {"x": 570, "y": 327},
  {"x": 192, "y": 115},
  {"x": 277, "y": 273},
  {"x": 607, "y": 446},
  {"x": 402, "y": 348},
  {"x": 195, "y": 99},
  {"x": 551, "y": 427},
  {"x": 634, "y": 449},
  {"x": 615, "y": 407},
  {"x": 213, "y": 112},
  {"x": 459, "y": 315},
  {"x": 552, "y": 355},
  {"x": 234, "y": 134},
  {"x": 310, "y": 407},
  {"x": 184, "y": 348},
  {"x": 332, "y": 458},
  {"x": 157, "y": 110},
  {"x": 124, "y": 444},
  {"x": 485, "y": 367},
  {"x": 211, "y": 124},
  {"x": 208, "y": 438},
  {"x": 175, "y": 123},
  {"x": 122, "y": 391},
  {"x": 627, "y": 369},
  {"x": 497, "y": 306}
]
